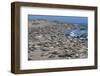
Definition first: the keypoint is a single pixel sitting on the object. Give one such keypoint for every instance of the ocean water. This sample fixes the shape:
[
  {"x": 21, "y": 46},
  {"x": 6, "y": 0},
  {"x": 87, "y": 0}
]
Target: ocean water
[
  {"x": 65, "y": 19},
  {"x": 78, "y": 33}
]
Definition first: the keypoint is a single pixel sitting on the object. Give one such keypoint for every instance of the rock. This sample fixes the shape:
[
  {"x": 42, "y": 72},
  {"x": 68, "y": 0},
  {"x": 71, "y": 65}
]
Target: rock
[
  {"x": 77, "y": 55},
  {"x": 44, "y": 49},
  {"x": 64, "y": 55},
  {"x": 55, "y": 52},
  {"x": 51, "y": 56}
]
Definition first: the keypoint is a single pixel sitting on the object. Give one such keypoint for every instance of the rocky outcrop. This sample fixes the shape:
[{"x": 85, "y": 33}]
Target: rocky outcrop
[{"x": 48, "y": 40}]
